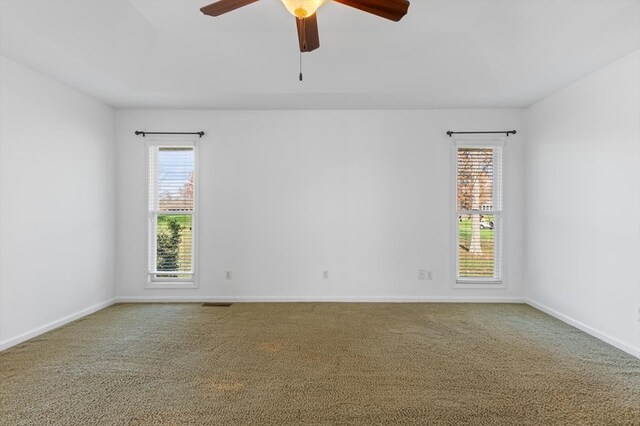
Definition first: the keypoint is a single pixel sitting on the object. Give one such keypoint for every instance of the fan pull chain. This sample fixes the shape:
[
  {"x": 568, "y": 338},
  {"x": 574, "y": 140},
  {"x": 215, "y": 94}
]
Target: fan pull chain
[{"x": 300, "y": 66}]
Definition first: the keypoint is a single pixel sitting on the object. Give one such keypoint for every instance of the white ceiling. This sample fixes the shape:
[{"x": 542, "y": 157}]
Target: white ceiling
[{"x": 443, "y": 54}]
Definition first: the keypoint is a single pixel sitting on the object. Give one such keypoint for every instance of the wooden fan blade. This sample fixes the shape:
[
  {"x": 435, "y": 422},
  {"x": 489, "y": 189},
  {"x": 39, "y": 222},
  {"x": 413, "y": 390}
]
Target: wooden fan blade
[
  {"x": 223, "y": 6},
  {"x": 308, "y": 35},
  {"x": 389, "y": 9}
]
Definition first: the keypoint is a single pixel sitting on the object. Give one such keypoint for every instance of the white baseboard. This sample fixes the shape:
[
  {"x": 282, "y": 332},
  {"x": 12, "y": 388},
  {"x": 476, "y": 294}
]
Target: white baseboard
[
  {"x": 54, "y": 324},
  {"x": 584, "y": 327},
  {"x": 287, "y": 299}
]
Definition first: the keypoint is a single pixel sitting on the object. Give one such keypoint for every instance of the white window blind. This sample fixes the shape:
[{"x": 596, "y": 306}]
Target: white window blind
[
  {"x": 479, "y": 213},
  {"x": 171, "y": 213}
]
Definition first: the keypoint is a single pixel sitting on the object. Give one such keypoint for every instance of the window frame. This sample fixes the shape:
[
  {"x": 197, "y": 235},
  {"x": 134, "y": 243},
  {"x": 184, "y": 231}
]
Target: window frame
[
  {"x": 479, "y": 282},
  {"x": 175, "y": 283}
]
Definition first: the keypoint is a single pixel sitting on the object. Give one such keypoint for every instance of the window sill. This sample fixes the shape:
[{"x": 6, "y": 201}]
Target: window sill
[
  {"x": 479, "y": 284},
  {"x": 172, "y": 285}
]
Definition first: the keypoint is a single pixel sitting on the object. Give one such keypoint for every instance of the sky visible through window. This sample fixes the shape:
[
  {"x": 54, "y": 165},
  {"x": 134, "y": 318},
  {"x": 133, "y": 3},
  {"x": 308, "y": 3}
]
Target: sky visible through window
[{"x": 175, "y": 169}]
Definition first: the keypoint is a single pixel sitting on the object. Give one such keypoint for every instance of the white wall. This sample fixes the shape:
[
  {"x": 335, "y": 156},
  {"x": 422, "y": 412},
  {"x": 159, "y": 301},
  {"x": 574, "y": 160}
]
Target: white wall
[
  {"x": 57, "y": 219},
  {"x": 583, "y": 203},
  {"x": 285, "y": 195}
]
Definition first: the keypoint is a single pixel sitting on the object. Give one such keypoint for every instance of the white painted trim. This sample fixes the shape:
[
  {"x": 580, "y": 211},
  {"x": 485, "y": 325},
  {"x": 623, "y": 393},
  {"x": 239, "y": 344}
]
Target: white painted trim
[
  {"x": 479, "y": 285},
  {"x": 6, "y": 344},
  {"x": 586, "y": 328},
  {"x": 343, "y": 299},
  {"x": 164, "y": 285}
]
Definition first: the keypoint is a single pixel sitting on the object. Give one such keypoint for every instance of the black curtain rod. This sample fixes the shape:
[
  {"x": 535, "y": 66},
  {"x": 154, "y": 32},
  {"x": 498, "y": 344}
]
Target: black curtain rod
[
  {"x": 144, "y": 134},
  {"x": 506, "y": 132}
]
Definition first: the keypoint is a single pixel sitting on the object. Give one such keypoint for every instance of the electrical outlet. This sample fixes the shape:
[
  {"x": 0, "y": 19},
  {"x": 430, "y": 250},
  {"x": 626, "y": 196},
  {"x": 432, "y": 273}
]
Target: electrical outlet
[
  {"x": 421, "y": 274},
  {"x": 228, "y": 275},
  {"x": 325, "y": 275}
]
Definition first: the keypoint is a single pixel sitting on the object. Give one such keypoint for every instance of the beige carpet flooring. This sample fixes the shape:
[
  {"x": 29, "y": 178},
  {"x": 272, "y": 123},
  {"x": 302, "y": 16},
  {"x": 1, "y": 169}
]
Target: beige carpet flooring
[{"x": 314, "y": 363}]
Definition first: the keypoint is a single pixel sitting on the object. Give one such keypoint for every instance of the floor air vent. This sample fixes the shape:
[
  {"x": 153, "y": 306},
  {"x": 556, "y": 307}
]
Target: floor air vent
[{"x": 217, "y": 305}]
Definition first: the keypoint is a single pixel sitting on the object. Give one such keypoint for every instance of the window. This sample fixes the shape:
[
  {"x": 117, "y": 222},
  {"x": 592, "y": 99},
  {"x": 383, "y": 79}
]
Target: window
[
  {"x": 172, "y": 184},
  {"x": 478, "y": 216}
]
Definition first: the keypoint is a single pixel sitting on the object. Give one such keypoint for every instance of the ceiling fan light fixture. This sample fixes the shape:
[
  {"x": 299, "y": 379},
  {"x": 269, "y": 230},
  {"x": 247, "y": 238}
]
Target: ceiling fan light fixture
[{"x": 303, "y": 8}]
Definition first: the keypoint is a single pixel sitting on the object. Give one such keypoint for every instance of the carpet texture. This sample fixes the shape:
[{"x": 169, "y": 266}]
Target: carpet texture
[{"x": 318, "y": 363}]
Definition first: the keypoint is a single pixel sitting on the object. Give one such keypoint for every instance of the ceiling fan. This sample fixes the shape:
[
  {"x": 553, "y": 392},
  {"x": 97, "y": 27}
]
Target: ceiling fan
[{"x": 305, "y": 13}]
